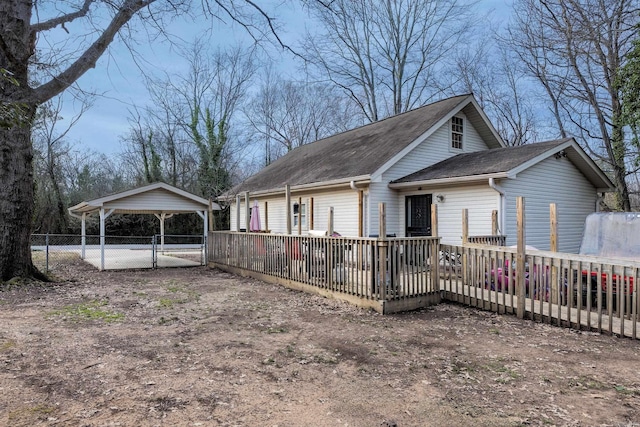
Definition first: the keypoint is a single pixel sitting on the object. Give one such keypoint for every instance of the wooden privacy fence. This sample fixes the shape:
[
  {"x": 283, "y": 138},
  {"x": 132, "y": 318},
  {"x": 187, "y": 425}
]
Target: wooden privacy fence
[{"x": 388, "y": 274}]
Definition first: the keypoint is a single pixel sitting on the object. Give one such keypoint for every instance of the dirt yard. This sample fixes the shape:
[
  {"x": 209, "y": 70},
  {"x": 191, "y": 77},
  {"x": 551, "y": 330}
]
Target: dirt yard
[{"x": 200, "y": 347}]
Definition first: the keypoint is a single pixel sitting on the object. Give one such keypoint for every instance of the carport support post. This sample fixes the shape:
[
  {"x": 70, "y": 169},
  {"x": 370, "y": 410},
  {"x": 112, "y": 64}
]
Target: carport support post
[
  {"x": 161, "y": 218},
  {"x": 103, "y": 215},
  {"x": 102, "y": 218},
  {"x": 520, "y": 259},
  {"x": 84, "y": 233}
]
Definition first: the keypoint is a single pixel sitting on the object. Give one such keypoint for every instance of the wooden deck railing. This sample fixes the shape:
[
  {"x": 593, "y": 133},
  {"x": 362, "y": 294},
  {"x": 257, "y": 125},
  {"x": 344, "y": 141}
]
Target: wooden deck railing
[
  {"x": 581, "y": 292},
  {"x": 394, "y": 270},
  {"x": 492, "y": 240},
  {"x": 398, "y": 274}
]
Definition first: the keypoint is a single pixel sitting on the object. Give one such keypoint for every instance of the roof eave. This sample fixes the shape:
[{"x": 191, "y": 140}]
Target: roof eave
[
  {"x": 318, "y": 186},
  {"x": 448, "y": 181},
  {"x": 582, "y": 161}
]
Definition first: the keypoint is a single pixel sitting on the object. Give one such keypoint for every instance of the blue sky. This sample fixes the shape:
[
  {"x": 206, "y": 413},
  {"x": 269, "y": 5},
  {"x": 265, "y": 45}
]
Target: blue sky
[{"x": 119, "y": 81}]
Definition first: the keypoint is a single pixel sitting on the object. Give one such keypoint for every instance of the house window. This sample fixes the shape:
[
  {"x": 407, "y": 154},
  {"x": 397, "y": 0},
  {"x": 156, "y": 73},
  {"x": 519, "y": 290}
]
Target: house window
[
  {"x": 299, "y": 214},
  {"x": 457, "y": 126}
]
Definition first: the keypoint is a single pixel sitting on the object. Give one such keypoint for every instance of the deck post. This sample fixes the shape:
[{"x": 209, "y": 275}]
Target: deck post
[
  {"x": 287, "y": 199},
  {"x": 434, "y": 220},
  {"x": 465, "y": 226},
  {"x": 465, "y": 240},
  {"x": 382, "y": 250},
  {"x": 434, "y": 248},
  {"x": 238, "y": 212},
  {"x": 360, "y": 213},
  {"x": 494, "y": 222},
  {"x": 210, "y": 217},
  {"x": 553, "y": 247},
  {"x": 330, "y": 221},
  {"x": 520, "y": 258},
  {"x": 299, "y": 216},
  {"x": 247, "y": 212}
]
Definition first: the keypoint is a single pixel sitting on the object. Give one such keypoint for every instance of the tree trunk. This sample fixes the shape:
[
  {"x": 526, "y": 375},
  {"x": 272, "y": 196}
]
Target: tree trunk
[{"x": 16, "y": 201}]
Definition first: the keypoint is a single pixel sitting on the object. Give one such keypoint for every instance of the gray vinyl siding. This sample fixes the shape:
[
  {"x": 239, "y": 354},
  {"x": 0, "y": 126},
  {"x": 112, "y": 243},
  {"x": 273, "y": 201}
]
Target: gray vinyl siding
[
  {"x": 435, "y": 148},
  {"x": 276, "y": 214},
  {"x": 379, "y": 192},
  {"x": 345, "y": 212},
  {"x": 550, "y": 181},
  {"x": 479, "y": 200}
]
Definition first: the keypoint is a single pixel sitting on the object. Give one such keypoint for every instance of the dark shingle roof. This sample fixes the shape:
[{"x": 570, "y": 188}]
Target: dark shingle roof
[
  {"x": 482, "y": 162},
  {"x": 357, "y": 152}
]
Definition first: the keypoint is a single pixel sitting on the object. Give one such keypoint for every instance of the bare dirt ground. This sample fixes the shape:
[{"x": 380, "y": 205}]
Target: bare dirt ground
[{"x": 200, "y": 347}]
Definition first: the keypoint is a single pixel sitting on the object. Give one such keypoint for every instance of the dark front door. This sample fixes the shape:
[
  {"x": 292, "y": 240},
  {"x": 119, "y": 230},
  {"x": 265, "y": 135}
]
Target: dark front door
[{"x": 418, "y": 211}]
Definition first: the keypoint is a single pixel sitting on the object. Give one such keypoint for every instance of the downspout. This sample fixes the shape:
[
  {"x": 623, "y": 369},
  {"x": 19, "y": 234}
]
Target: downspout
[{"x": 500, "y": 191}]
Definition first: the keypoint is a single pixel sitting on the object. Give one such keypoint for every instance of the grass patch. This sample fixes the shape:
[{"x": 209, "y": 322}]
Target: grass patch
[
  {"x": 277, "y": 331},
  {"x": 180, "y": 294},
  {"x": 38, "y": 412},
  {"x": 7, "y": 345},
  {"x": 626, "y": 391},
  {"x": 92, "y": 310},
  {"x": 505, "y": 373},
  {"x": 587, "y": 383},
  {"x": 169, "y": 302}
]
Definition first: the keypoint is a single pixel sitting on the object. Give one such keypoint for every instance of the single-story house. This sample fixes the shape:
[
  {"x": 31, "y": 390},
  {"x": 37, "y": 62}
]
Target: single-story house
[{"x": 446, "y": 153}]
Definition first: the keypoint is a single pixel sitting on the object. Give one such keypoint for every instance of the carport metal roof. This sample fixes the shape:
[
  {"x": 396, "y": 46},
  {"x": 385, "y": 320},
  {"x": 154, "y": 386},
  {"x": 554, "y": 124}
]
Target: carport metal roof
[
  {"x": 159, "y": 199},
  {"x": 155, "y": 198}
]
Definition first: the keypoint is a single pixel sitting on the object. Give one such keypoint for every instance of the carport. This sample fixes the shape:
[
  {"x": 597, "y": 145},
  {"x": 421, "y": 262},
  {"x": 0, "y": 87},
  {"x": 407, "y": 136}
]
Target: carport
[{"x": 158, "y": 199}]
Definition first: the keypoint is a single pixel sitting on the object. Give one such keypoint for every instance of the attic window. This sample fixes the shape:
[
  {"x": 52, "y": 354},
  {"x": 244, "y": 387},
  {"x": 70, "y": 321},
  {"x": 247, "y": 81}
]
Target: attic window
[{"x": 457, "y": 126}]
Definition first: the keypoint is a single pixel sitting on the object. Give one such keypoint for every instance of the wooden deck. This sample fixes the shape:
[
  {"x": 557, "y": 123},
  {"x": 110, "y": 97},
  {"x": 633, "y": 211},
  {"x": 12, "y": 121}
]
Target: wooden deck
[
  {"x": 400, "y": 274},
  {"x": 542, "y": 310}
]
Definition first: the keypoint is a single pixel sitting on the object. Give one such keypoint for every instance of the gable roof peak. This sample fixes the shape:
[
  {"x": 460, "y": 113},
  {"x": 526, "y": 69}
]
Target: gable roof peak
[{"x": 358, "y": 152}]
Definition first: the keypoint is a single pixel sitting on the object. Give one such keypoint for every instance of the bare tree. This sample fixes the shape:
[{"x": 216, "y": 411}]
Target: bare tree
[
  {"x": 23, "y": 28},
  {"x": 389, "y": 55},
  {"x": 575, "y": 48},
  {"x": 503, "y": 89},
  {"x": 203, "y": 104},
  {"x": 52, "y": 162},
  {"x": 287, "y": 114}
]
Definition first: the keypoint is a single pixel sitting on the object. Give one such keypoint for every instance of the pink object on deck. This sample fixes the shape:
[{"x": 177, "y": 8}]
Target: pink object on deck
[{"x": 254, "y": 224}]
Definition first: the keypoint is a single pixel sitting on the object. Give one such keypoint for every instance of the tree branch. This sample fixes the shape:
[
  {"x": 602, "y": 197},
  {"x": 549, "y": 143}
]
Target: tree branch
[
  {"x": 88, "y": 59},
  {"x": 61, "y": 20}
]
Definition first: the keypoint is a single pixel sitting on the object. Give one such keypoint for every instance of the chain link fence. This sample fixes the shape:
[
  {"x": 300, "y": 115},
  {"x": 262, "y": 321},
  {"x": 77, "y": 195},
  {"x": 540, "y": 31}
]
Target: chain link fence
[{"x": 51, "y": 251}]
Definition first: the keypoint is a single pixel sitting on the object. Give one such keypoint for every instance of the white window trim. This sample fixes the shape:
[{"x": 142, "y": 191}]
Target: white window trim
[
  {"x": 302, "y": 213},
  {"x": 464, "y": 131}
]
